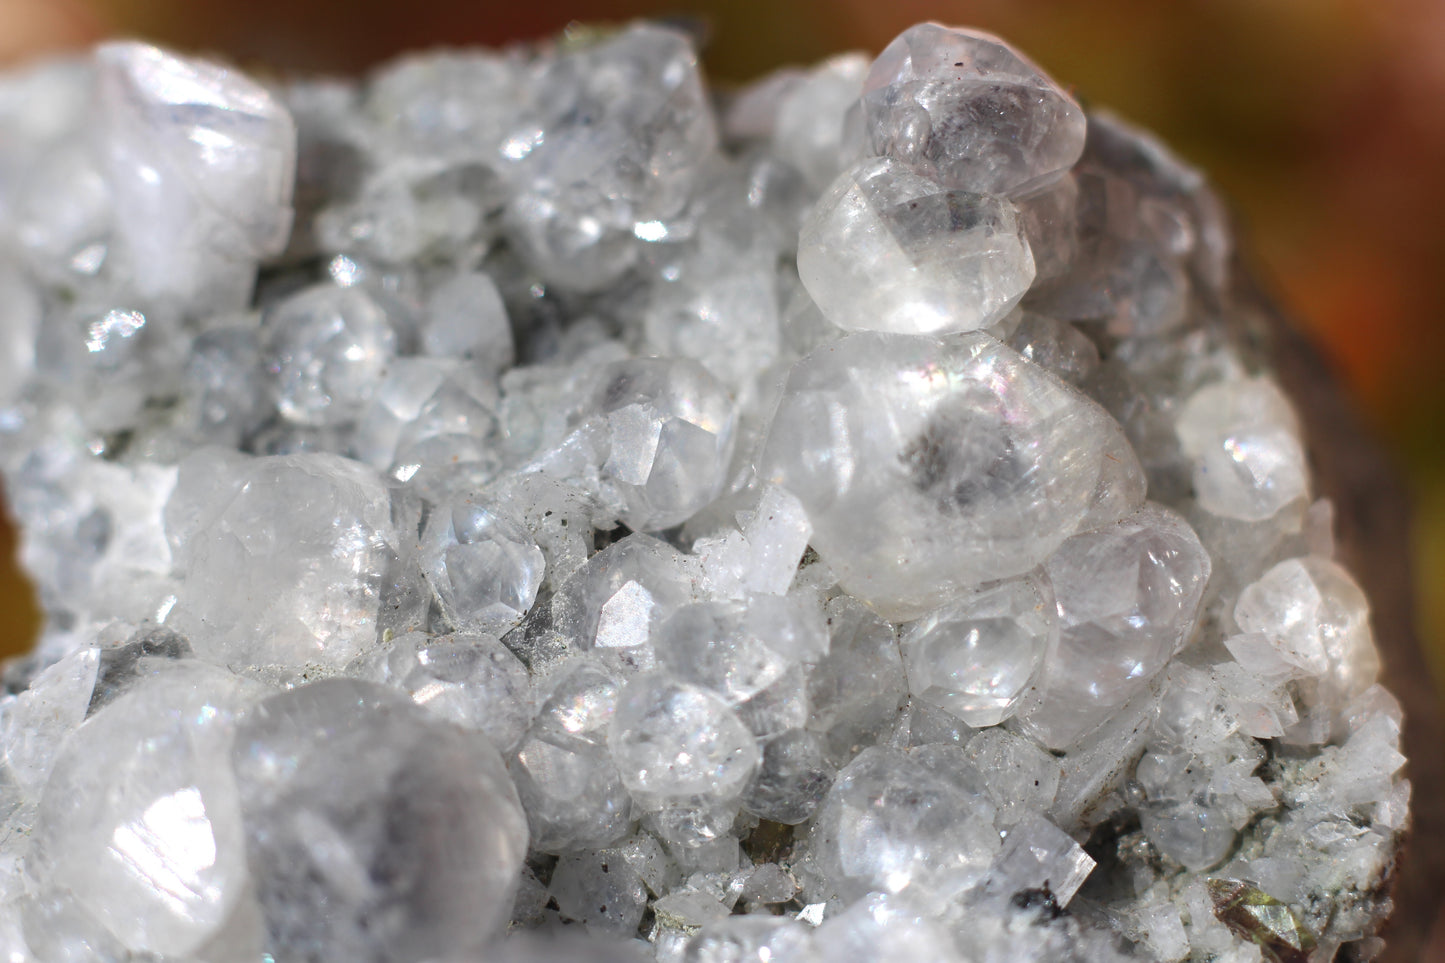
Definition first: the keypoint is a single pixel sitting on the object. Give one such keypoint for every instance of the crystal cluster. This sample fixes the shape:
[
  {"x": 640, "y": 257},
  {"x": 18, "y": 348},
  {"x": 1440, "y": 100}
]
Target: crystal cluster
[{"x": 525, "y": 507}]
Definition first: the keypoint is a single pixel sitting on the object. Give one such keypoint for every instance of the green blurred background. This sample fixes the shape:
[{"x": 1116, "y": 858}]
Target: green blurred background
[{"x": 1322, "y": 120}]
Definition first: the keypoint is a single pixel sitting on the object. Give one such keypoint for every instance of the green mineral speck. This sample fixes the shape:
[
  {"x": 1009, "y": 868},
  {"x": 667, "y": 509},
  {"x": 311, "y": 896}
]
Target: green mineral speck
[{"x": 1258, "y": 917}]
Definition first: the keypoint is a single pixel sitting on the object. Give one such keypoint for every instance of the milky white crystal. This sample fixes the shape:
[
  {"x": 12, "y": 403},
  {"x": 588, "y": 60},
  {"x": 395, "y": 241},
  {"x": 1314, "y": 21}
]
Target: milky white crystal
[
  {"x": 886, "y": 249},
  {"x": 965, "y": 108},
  {"x": 921, "y": 463}
]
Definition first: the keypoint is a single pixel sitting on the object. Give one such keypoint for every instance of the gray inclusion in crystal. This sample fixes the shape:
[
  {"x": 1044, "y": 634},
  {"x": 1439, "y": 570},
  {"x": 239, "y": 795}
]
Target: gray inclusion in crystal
[
  {"x": 483, "y": 567},
  {"x": 200, "y": 160},
  {"x": 1128, "y": 599},
  {"x": 976, "y": 654},
  {"x": 347, "y": 858},
  {"x": 670, "y": 427},
  {"x": 928, "y": 466},
  {"x": 966, "y": 109},
  {"x": 886, "y": 249},
  {"x": 326, "y": 350}
]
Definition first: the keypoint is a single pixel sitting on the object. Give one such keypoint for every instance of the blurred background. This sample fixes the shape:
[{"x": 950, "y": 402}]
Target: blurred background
[{"x": 1321, "y": 120}]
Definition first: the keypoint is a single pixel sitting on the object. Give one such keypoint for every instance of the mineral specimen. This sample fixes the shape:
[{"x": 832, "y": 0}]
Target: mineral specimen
[{"x": 525, "y": 507}]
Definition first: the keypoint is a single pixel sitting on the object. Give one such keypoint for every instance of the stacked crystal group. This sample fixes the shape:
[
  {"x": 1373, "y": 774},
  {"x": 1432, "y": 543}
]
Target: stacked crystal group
[{"x": 523, "y": 506}]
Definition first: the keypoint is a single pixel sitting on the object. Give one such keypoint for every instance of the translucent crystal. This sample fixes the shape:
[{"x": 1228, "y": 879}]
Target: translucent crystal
[
  {"x": 201, "y": 162},
  {"x": 670, "y": 427},
  {"x": 141, "y": 823},
  {"x": 1244, "y": 440},
  {"x": 1022, "y": 778},
  {"x": 615, "y": 144},
  {"x": 347, "y": 860},
  {"x": 676, "y": 743},
  {"x": 750, "y": 939},
  {"x": 920, "y": 463},
  {"x": 745, "y": 554},
  {"x": 470, "y": 680},
  {"x": 1128, "y": 598},
  {"x": 793, "y": 774},
  {"x": 1037, "y": 855},
  {"x": 483, "y": 567},
  {"x": 976, "y": 655},
  {"x": 966, "y": 109},
  {"x": 269, "y": 578},
  {"x": 856, "y": 690},
  {"x": 808, "y": 129},
  {"x": 886, "y": 249},
  {"x": 326, "y": 348},
  {"x": 1317, "y": 618},
  {"x": 615, "y": 602},
  {"x": 465, "y": 318},
  {"x": 893, "y": 825},
  {"x": 600, "y": 890}
]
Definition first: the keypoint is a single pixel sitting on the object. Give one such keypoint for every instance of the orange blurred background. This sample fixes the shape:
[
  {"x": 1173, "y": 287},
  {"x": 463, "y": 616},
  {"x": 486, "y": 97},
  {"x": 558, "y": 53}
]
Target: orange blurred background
[{"x": 1320, "y": 119}]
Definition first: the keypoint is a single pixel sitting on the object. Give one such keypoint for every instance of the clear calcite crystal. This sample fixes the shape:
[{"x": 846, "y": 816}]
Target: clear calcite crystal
[
  {"x": 525, "y": 507},
  {"x": 887, "y": 250},
  {"x": 968, "y": 110},
  {"x": 931, "y": 465}
]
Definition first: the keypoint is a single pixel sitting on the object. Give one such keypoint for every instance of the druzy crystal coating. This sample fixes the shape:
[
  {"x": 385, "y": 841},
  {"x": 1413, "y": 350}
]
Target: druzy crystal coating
[{"x": 526, "y": 507}]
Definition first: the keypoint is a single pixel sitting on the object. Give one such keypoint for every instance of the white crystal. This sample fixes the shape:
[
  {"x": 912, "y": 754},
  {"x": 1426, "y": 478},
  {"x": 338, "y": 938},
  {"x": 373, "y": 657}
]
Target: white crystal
[
  {"x": 1244, "y": 441},
  {"x": 326, "y": 349},
  {"x": 676, "y": 743},
  {"x": 347, "y": 860},
  {"x": 201, "y": 161},
  {"x": 270, "y": 580},
  {"x": 1317, "y": 618},
  {"x": 470, "y": 680},
  {"x": 891, "y": 824},
  {"x": 808, "y": 130},
  {"x": 967, "y": 109},
  {"x": 1128, "y": 597},
  {"x": 483, "y": 567},
  {"x": 746, "y": 554},
  {"x": 141, "y": 821},
  {"x": 886, "y": 249},
  {"x": 921, "y": 463},
  {"x": 670, "y": 429},
  {"x": 976, "y": 655}
]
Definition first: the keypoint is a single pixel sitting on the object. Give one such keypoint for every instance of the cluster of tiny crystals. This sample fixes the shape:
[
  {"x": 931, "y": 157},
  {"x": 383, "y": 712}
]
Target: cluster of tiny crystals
[{"x": 524, "y": 506}]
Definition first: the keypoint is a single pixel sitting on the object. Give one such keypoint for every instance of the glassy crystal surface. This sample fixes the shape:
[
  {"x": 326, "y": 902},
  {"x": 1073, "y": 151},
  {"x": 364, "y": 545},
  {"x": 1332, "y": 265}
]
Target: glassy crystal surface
[
  {"x": 966, "y": 109},
  {"x": 524, "y": 506},
  {"x": 886, "y": 249},
  {"x": 1128, "y": 598},
  {"x": 921, "y": 462},
  {"x": 200, "y": 162},
  {"x": 347, "y": 859},
  {"x": 976, "y": 655}
]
